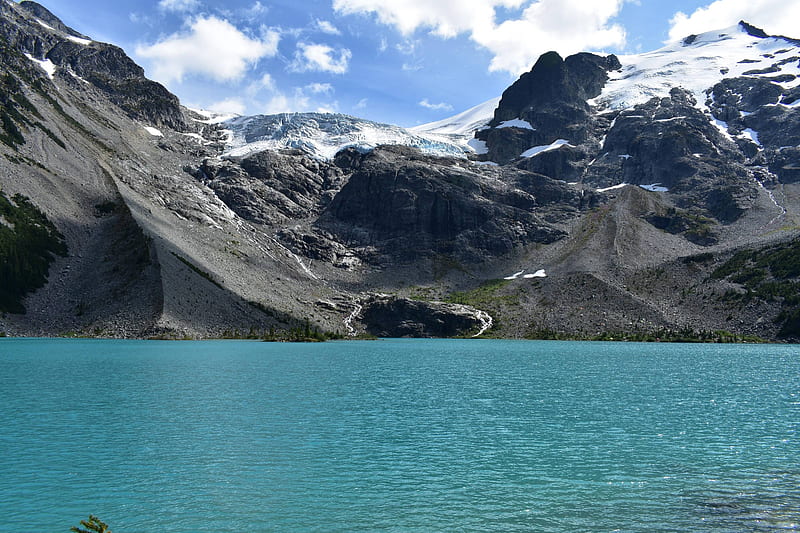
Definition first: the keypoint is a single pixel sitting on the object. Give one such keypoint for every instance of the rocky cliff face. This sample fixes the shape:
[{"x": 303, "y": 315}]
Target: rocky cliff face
[
  {"x": 601, "y": 194},
  {"x": 31, "y": 29}
]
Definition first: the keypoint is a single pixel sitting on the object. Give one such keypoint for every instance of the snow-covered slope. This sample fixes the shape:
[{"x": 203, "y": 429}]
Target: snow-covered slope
[
  {"x": 463, "y": 124},
  {"x": 698, "y": 63},
  {"x": 322, "y": 135}
]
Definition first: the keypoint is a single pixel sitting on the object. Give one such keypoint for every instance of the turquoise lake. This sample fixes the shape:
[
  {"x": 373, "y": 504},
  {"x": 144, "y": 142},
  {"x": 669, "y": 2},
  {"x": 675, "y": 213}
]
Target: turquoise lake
[{"x": 399, "y": 435}]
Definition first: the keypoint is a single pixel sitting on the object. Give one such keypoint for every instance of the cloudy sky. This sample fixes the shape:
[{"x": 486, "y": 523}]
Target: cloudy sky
[{"x": 400, "y": 61}]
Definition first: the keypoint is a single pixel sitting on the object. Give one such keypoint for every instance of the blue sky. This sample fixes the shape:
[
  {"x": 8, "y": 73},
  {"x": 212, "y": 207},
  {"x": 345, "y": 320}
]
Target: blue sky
[{"x": 405, "y": 62}]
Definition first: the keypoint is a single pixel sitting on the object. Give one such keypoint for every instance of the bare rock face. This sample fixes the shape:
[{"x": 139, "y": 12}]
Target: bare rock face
[
  {"x": 273, "y": 187},
  {"x": 670, "y": 143},
  {"x": 104, "y": 66},
  {"x": 386, "y": 316},
  {"x": 409, "y": 204},
  {"x": 552, "y": 99}
]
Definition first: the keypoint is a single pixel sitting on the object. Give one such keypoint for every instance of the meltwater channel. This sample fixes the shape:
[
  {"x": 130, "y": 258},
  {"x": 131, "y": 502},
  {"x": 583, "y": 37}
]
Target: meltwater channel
[{"x": 398, "y": 435}]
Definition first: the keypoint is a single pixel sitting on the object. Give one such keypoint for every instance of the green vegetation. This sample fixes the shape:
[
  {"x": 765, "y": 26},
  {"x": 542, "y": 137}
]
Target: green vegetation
[
  {"x": 28, "y": 245},
  {"x": 769, "y": 274},
  {"x": 106, "y": 208},
  {"x": 16, "y": 113},
  {"x": 93, "y": 525},
  {"x": 485, "y": 296},
  {"x": 198, "y": 270},
  {"x": 694, "y": 227},
  {"x": 11, "y": 117},
  {"x": 698, "y": 258},
  {"x": 687, "y": 335}
]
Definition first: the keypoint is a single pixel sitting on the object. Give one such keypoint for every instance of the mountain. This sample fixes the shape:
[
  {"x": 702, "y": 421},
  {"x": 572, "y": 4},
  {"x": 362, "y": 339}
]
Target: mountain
[
  {"x": 649, "y": 195},
  {"x": 323, "y": 135}
]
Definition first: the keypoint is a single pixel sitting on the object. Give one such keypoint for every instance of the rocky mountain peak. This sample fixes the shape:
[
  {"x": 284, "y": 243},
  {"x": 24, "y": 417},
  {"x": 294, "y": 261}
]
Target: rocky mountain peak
[
  {"x": 44, "y": 15},
  {"x": 554, "y": 81},
  {"x": 32, "y": 29}
]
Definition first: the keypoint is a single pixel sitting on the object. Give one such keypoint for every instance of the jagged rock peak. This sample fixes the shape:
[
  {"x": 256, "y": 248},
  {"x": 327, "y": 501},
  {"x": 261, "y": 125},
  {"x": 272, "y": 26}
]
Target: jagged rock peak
[
  {"x": 32, "y": 29},
  {"x": 555, "y": 80},
  {"x": 44, "y": 15}
]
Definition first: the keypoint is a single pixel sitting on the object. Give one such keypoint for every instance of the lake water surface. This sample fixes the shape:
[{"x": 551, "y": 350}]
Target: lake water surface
[{"x": 398, "y": 435}]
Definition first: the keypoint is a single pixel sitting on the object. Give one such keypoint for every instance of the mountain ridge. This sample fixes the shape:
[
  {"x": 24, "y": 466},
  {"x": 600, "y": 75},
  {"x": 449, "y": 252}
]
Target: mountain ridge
[{"x": 566, "y": 213}]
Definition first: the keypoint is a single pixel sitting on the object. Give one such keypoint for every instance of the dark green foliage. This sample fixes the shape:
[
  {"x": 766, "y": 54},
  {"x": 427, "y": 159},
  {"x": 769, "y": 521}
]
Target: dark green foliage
[
  {"x": 687, "y": 335},
  {"x": 769, "y": 274},
  {"x": 300, "y": 332},
  {"x": 16, "y": 112},
  {"x": 106, "y": 208},
  {"x": 93, "y": 525},
  {"x": 28, "y": 244},
  {"x": 791, "y": 323},
  {"x": 698, "y": 258},
  {"x": 198, "y": 270},
  {"x": 694, "y": 227},
  {"x": 10, "y": 115}
]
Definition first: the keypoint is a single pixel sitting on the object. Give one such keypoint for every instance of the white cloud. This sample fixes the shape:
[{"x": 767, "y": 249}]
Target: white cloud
[
  {"x": 776, "y": 17},
  {"x": 327, "y": 27},
  {"x": 229, "y": 105},
  {"x": 566, "y": 26},
  {"x": 407, "y": 47},
  {"x": 436, "y": 107},
  {"x": 263, "y": 96},
  {"x": 320, "y": 58},
  {"x": 319, "y": 88},
  {"x": 257, "y": 9},
  {"x": 213, "y": 47},
  {"x": 362, "y": 104},
  {"x": 265, "y": 82},
  {"x": 178, "y": 5}
]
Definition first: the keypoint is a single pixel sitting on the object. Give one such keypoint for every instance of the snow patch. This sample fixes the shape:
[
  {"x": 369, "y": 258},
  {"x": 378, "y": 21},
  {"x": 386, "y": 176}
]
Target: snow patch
[
  {"x": 722, "y": 126},
  {"x": 199, "y": 138},
  {"x": 70, "y": 37},
  {"x": 465, "y": 123},
  {"x": 48, "y": 66},
  {"x": 486, "y": 163},
  {"x": 46, "y": 26},
  {"x": 618, "y": 186},
  {"x": 750, "y": 134},
  {"x": 514, "y": 276},
  {"x": 536, "y": 150},
  {"x": 212, "y": 117},
  {"x": 84, "y": 42},
  {"x": 538, "y": 274},
  {"x": 516, "y": 123},
  {"x": 654, "y": 187},
  {"x": 153, "y": 131},
  {"x": 541, "y": 273},
  {"x": 78, "y": 77},
  {"x": 478, "y": 146}
]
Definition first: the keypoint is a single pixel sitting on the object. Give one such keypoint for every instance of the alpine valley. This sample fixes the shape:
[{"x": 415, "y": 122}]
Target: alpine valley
[{"x": 644, "y": 196}]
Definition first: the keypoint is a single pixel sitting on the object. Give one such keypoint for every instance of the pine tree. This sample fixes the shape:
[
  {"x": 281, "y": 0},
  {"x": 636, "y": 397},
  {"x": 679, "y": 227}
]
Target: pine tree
[{"x": 93, "y": 525}]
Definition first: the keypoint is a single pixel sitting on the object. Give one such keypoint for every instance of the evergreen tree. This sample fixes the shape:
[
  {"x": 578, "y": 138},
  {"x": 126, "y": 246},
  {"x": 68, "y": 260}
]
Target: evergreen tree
[{"x": 93, "y": 525}]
